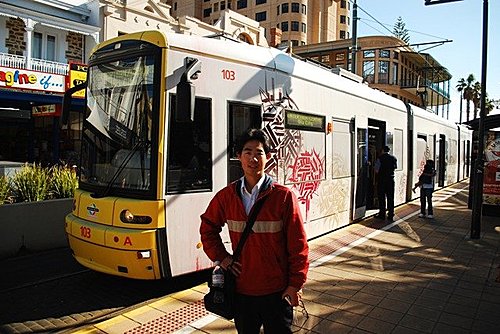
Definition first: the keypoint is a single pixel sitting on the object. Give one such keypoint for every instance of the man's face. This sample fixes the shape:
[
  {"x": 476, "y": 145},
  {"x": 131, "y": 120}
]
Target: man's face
[{"x": 253, "y": 158}]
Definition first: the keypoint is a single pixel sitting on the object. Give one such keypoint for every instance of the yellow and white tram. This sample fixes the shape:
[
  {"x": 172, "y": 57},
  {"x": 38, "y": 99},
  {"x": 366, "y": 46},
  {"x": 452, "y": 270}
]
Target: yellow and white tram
[{"x": 163, "y": 112}]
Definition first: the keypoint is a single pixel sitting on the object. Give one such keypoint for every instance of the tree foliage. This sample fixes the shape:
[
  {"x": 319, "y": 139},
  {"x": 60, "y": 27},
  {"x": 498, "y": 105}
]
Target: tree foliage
[{"x": 400, "y": 30}]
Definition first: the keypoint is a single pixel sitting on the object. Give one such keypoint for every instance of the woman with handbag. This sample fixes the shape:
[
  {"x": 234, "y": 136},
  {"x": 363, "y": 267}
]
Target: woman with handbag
[{"x": 272, "y": 265}]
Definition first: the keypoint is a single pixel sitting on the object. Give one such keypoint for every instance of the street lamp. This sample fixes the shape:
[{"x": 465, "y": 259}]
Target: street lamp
[
  {"x": 437, "y": 2},
  {"x": 477, "y": 203}
]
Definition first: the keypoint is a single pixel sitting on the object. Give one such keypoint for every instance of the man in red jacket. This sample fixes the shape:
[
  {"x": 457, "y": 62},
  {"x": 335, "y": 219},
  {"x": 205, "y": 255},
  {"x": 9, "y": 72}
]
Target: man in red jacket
[{"x": 274, "y": 261}]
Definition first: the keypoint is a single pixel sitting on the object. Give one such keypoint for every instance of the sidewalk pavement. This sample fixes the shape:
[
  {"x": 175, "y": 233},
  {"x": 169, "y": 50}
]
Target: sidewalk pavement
[{"x": 412, "y": 276}]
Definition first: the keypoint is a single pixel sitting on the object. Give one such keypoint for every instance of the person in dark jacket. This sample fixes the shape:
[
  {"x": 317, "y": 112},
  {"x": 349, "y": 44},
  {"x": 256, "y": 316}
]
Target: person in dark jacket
[
  {"x": 273, "y": 264},
  {"x": 385, "y": 166}
]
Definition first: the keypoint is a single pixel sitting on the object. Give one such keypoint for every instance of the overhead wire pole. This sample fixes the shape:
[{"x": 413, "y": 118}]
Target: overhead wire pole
[
  {"x": 477, "y": 204},
  {"x": 478, "y": 177},
  {"x": 354, "y": 48}
]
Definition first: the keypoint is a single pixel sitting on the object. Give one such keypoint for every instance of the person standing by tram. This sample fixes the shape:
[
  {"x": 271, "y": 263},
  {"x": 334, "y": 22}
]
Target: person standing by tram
[
  {"x": 385, "y": 166},
  {"x": 274, "y": 262}
]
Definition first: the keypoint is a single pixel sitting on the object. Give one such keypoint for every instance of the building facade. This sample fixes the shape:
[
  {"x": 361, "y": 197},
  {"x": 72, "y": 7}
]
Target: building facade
[
  {"x": 389, "y": 64},
  {"x": 286, "y": 22},
  {"x": 38, "y": 42}
]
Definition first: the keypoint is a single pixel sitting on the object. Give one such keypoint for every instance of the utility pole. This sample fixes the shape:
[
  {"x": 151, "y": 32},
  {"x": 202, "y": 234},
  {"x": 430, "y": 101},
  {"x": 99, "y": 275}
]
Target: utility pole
[
  {"x": 354, "y": 47},
  {"x": 477, "y": 204}
]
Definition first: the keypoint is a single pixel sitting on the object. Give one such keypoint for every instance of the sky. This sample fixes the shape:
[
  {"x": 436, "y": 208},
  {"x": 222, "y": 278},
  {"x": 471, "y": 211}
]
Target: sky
[{"x": 461, "y": 22}]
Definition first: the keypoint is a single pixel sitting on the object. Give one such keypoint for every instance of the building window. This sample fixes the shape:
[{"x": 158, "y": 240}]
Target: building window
[
  {"x": 229, "y": 4},
  {"x": 395, "y": 55},
  {"x": 241, "y": 4},
  {"x": 383, "y": 72},
  {"x": 384, "y": 53},
  {"x": 394, "y": 73},
  {"x": 278, "y": 10},
  {"x": 295, "y": 42},
  {"x": 260, "y": 16},
  {"x": 284, "y": 26},
  {"x": 340, "y": 56},
  {"x": 260, "y": 2},
  {"x": 216, "y": 7},
  {"x": 342, "y": 19},
  {"x": 284, "y": 8},
  {"x": 369, "y": 54},
  {"x": 304, "y": 28},
  {"x": 295, "y": 26},
  {"x": 342, "y": 34},
  {"x": 44, "y": 46},
  {"x": 222, "y": 5},
  {"x": 304, "y": 9},
  {"x": 343, "y": 4},
  {"x": 207, "y": 12},
  {"x": 175, "y": 5},
  {"x": 369, "y": 71},
  {"x": 295, "y": 7}
]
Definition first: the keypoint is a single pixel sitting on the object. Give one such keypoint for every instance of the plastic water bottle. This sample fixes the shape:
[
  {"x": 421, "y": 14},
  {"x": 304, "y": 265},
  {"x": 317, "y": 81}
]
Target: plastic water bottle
[{"x": 218, "y": 283}]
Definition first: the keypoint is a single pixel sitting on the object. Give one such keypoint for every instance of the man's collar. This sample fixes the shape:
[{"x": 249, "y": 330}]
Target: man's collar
[{"x": 258, "y": 184}]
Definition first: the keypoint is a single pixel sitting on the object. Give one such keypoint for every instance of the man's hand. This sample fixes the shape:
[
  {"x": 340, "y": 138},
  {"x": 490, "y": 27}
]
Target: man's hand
[
  {"x": 291, "y": 295},
  {"x": 233, "y": 266}
]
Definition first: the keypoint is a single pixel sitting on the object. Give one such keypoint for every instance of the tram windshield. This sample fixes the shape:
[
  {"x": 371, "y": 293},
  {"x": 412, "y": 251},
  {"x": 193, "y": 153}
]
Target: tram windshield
[{"x": 117, "y": 148}]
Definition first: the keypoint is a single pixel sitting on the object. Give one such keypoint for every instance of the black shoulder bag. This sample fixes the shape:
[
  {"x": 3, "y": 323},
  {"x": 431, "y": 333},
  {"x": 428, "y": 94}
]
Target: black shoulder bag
[{"x": 226, "y": 308}]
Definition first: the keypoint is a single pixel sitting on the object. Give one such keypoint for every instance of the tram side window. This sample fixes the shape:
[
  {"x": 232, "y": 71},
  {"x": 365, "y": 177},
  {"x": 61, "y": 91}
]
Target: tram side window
[
  {"x": 341, "y": 139},
  {"x": 189, "y": 150},
  {"x": 396, "y": 144}
]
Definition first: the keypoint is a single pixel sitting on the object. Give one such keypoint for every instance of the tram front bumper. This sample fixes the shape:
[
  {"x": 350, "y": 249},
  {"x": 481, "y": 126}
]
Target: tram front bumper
[{"x": 117, "y": 251}]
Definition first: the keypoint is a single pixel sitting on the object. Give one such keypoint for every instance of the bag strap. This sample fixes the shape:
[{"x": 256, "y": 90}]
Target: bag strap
[{"x": 246, "y": 232}]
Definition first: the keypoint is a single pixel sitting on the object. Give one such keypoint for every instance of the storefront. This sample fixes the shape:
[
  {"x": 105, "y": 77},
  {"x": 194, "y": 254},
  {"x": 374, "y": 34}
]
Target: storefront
[{"x": 30, "y": 109}]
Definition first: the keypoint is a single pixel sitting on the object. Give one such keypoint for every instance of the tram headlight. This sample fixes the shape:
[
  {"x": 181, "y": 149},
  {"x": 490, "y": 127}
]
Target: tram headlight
[
  {"x": 128, "y": 217},
  {"x": 143, "y": 254}
]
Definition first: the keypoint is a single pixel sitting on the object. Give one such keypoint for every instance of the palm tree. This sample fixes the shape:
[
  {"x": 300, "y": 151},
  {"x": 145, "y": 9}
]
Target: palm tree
[
  {"x": 460, "y": 88},
  {"x": 468, "y": 93},
  {"x": 476, "y": 97},
  {"x": 489, "y": 105}
]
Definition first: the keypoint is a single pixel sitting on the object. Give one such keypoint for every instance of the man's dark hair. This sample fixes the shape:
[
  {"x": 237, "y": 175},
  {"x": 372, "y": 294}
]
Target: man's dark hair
[
  {"x": 252, "y": 134},
  {"x": 386, "y": 148}
]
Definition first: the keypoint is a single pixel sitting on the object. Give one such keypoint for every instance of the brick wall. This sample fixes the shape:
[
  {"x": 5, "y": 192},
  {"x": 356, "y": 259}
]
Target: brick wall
[
  {"x": 75, "y": 47},
  {"x": 15, "y": 41}
]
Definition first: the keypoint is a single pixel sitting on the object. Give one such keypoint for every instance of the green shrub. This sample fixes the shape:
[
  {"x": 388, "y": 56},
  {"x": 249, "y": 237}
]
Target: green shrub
[
  {"x": 63, "y": 182},
  {"x": 4, "y": 190},
  {"x": 31, "y": 184}
]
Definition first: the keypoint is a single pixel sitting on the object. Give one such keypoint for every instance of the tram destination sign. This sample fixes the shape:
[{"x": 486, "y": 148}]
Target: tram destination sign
[{"x": 304, "y": 121}]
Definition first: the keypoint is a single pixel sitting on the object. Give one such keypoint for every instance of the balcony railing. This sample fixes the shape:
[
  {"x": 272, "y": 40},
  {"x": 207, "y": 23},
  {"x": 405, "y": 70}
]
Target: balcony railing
[
  {"x": 35, "y": 64},
  {"x": 412, "y": 83}
]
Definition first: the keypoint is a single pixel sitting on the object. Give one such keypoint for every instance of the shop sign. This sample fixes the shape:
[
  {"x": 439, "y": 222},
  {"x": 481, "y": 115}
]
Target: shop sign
[
  {"x": 32, "y": 80},
  {"x": 47, "y": 110},
  {"x": 491, "y": 190},
  {"x": 77, "y": 75}
]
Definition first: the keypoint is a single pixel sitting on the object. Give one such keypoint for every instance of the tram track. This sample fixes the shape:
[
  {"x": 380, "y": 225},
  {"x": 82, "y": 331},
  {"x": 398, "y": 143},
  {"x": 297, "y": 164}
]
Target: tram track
[
  {"x": 51, "y": 287},
  {"x": 43, "y": 281}
]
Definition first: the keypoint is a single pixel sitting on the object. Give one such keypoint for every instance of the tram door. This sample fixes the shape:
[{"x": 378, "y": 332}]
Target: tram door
[
  {"x": 360, "y": 166},
  {"x": 377, "y": 138},
  {"x": 441, "y": 155},
  {"x": 242, "y": 116}
]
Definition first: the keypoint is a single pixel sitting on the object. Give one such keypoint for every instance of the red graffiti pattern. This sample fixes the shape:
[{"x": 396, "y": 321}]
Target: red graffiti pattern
[{"x": 307, "y": 171}]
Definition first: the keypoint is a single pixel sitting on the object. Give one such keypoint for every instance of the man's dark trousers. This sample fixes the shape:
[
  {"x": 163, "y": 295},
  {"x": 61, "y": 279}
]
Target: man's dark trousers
[{"x": 386, "y": 189}]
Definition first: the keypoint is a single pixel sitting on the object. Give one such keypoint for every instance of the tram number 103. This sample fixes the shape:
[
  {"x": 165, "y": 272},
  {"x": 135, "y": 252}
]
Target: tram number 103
[
  {"x": 228, "y": 75},
  {"x": 85, "y": 232}
]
